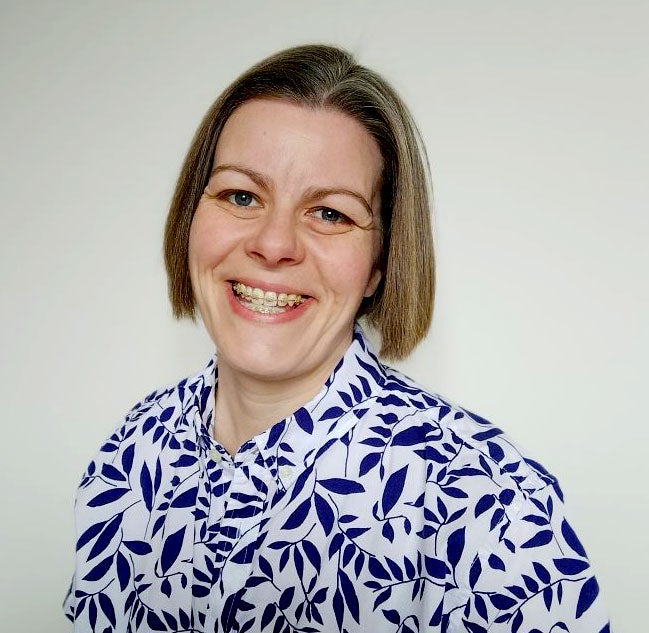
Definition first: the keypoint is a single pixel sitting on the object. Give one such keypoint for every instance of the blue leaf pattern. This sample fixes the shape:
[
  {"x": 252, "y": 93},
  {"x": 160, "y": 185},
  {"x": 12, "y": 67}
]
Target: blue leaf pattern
[{"x": 375, "y": 507}]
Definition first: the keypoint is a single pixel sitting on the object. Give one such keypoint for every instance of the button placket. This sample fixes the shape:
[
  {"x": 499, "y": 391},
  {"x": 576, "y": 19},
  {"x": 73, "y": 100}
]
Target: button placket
[{"x": 235, "y": 575}]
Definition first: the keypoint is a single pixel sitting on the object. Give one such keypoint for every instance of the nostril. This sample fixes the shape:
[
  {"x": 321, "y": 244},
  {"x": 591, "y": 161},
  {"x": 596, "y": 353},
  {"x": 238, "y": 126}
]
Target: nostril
[{"x": 275, "y": 247}]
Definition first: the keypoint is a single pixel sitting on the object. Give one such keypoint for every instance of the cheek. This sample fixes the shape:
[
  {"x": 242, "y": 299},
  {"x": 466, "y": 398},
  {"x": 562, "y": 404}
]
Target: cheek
[
  {"x": 197, "y": 230},
  {"x": 349, "y": 269},
  {"x": 207, "y": 245},
  {"x": 195, "y": 258}
]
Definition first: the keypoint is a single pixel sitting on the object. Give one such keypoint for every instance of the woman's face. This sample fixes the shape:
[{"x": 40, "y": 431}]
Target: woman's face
[{"x": 284, "y": 241}]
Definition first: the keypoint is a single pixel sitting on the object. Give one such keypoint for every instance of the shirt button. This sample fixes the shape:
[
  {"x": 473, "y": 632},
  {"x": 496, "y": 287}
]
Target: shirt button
[
  {"x": 285, "y": 473},
  {"x": 215, "y": 455}
]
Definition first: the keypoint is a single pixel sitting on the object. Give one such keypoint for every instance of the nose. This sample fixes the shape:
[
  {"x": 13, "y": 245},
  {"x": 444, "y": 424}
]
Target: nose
[{"x": 275, "y": 239}]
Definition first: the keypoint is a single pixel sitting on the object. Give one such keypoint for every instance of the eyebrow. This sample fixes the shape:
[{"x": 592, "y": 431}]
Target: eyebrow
[
  {"x": 315, "y": 193},
  {"x": 259, "y": 179},
  {"x": 323, "y": 192}
]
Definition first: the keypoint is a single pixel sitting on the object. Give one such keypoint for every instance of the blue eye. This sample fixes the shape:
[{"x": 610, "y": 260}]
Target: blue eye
[
  {"x": 331, "y": 215},
  {"x": 241, "y": 198}
]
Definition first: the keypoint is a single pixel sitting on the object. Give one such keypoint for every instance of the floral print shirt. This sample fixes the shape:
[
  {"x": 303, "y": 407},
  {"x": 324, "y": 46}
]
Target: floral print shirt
[{"x": 375, "y": 507}]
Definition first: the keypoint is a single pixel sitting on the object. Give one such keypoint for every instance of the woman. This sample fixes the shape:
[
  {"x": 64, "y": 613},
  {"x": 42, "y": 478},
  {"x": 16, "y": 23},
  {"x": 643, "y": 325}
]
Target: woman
[{"x": 296, "y": 483}]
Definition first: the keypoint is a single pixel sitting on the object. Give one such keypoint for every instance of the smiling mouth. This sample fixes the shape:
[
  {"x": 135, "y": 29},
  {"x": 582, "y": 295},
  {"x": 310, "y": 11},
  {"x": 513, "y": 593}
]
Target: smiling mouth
[{"x": 266, "y": 301}]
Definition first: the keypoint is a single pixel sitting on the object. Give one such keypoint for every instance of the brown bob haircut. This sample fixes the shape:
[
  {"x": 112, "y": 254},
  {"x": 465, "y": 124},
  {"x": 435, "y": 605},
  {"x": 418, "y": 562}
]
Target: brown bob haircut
[{"x": 320, "y": 76}]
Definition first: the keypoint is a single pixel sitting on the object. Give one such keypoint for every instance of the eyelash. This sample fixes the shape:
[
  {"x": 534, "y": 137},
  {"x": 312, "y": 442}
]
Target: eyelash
[
  {"x": 228, "y": 196},
  {"x": 341, "y": 217}
]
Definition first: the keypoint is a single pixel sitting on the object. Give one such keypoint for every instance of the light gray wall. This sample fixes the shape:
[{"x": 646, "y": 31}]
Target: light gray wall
[{"x": 535, "y": 117}]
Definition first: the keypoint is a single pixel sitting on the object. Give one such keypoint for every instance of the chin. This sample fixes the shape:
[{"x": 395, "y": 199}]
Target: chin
[{"x": 266, "y": 368}]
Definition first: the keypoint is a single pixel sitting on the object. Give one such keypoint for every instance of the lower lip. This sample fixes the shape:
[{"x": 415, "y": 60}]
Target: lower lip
[{"x": 278, "y": 317}]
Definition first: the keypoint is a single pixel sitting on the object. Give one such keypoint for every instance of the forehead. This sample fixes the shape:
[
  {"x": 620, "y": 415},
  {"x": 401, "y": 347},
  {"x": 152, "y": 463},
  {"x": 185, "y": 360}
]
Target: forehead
[{"x": 290, "y": 142}]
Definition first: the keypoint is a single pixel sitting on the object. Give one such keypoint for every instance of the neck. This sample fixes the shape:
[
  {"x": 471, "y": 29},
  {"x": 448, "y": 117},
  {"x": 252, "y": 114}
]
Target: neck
[{"x": 246, "y": 406}]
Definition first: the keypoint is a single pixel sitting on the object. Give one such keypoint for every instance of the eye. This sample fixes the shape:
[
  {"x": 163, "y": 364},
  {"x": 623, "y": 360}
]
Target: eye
[
  {"x": 330, "y": 215},
  {"x": 241, "y": 198}
]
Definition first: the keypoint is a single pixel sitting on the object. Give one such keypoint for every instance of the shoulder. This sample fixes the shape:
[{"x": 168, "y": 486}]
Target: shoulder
[
  {"x": 451, "y": 429},
  {"x": 163, "y": 404},
  {"x": 500, "y": 512},
  {"x": 143, "y": 479},
  {"x": 162, "y": 418}
]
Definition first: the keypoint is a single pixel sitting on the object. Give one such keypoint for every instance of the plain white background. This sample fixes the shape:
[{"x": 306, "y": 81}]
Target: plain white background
[{"x": 535, "y": 118}]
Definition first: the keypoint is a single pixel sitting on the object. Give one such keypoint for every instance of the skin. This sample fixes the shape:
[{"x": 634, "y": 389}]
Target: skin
[{"x": 292, "y": 205}]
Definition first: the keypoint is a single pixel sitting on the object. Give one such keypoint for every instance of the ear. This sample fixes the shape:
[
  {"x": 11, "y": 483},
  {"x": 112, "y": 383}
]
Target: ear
[{"x": 373, "y": 282}]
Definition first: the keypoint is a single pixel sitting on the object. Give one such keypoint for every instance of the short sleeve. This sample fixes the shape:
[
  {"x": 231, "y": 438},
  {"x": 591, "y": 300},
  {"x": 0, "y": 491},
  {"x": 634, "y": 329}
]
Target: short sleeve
[{"x": 537, "y": 577}]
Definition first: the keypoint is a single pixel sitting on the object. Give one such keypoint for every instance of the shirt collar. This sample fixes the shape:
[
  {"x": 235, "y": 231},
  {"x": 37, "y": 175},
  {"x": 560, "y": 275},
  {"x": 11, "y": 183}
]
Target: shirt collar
[{"x": 295, "y": 441}]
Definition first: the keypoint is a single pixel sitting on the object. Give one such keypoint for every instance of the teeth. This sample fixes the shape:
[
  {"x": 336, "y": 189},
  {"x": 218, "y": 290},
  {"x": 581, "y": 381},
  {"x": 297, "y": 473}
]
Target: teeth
[{"x": 268, "y": 301}]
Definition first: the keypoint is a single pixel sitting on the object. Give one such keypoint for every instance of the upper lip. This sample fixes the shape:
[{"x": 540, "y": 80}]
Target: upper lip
[{"x": 265, "y": 286}]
